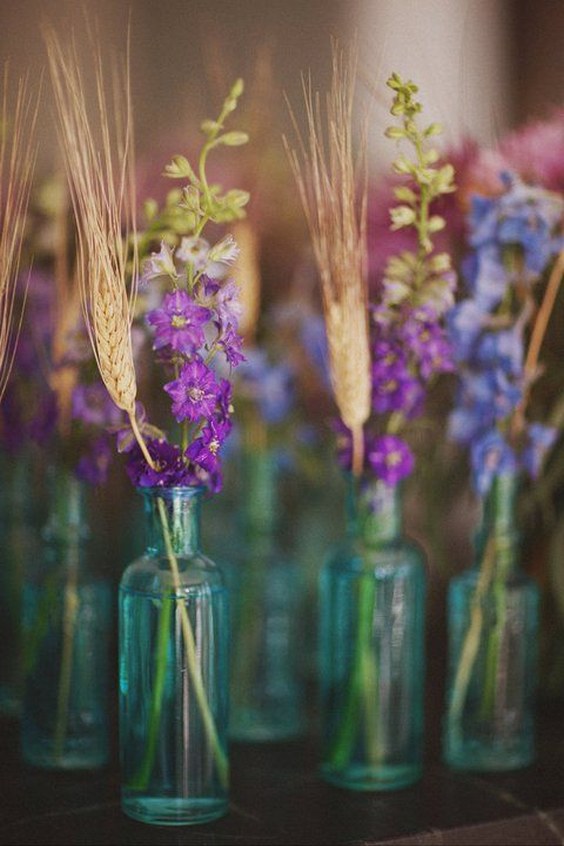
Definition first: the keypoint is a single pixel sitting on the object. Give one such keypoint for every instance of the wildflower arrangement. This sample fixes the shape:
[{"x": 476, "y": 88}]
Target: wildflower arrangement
[
  {"x": 406, "y": 342},
  {"x": 514, "y": 237},
  {"x": 196, "y": 319}
]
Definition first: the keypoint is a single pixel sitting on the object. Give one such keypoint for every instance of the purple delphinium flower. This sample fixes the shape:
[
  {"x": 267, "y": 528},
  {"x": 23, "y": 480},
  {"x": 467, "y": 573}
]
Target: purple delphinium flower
[
  {"x": 194, "y": 393},
  {"x": 228, "y": 308},
  {"x": 230, "y": 342},
  {"x": 179, "y": 323},
  {"x": 390, "y": 458},
  {"x": 171, "y": 468},
  {"x": 93, "y": 405},
  {"x": 204, "y": 451}
]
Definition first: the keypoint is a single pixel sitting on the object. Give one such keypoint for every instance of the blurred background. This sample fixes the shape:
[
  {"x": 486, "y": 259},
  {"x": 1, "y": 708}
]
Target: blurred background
[{"x": 483, "y": 65}]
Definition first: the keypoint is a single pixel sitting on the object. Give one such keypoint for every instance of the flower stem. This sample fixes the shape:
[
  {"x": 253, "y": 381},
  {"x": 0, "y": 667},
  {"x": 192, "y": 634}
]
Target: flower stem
[
  {"x": 140, "y": 440},
  {"x": 70, "y": 615},
  {"x": 192, "y": 656},
  {"x": 362, "y": 687},
  {"x": 471, "y": 643},
  {"x": 141, "y": 780}
]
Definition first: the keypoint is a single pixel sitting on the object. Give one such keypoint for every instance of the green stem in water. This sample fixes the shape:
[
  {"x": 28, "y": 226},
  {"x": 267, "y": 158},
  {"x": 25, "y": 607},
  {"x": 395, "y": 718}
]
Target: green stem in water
[
  {"x": 493, "y": 651},
  {"x": 471, "y": 643},
  {"x": 141, "y": 780},
  {"x": 70, "y": 615},
  {"x": 192, "y": 657},
  {"x": 362, "y": 688}
]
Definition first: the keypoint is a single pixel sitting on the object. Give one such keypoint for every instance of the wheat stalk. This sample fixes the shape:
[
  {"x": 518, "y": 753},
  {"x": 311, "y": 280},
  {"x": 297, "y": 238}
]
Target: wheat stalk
[
  {"x": 98, "y": 156},
  {"x": 327, "y": 176},
  {"x": 247, "y": 271},
  {"x": 17, "y": 162}
]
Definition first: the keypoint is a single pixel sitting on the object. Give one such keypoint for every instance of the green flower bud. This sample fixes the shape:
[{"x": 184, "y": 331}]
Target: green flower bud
[
  {"x": 233, "y": 139},
  {"x": 402, "y": 216},
  {"x": 210, "y": 127},
  {"x": 237, "y": 89},
  {"x": 433, "y": 129},
  {"x": 150, "y": 209},
  {"x": 405, "y": 194},
  {"x": 395, "y": 132},
  {"x": 436, "y": 223},
  {"x": 179, "y": 168}
]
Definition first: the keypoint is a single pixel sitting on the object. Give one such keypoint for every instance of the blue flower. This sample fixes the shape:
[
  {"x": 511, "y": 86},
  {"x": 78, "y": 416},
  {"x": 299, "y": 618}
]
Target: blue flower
[
  {"x": 491, "y": 456},
  {"x": 502, "y": 349},
  {"x": 464, "y": 323},
  {"x": 541, "y": 439}
]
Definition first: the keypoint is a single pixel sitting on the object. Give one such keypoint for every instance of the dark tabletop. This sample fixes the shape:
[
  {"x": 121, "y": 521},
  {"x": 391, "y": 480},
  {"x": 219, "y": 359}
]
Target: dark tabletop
[{"x": 277, "y": 798}]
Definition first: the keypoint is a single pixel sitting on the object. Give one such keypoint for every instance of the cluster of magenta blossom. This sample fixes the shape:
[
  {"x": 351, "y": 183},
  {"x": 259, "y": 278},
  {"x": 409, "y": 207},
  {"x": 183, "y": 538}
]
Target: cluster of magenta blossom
[
  {"x": 514, "y": 237},
  {"x": 196, "y": 321}
]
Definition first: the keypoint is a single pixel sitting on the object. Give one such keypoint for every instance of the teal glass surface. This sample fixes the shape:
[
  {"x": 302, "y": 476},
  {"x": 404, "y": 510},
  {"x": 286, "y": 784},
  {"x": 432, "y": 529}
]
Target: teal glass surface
[
  {"x": 266, "y": 687},
  {"x": 372, "y": 648},
  {"x": 67, "y": 624},
  {"x": 493, "y": 632},
  {"x": 173, "y": 664},
  {"x": 16, "y": 548}
]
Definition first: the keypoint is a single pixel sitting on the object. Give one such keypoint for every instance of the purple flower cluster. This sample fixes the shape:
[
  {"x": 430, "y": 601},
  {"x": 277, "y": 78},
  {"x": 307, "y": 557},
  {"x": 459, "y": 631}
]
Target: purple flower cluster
[
  {"x": 514, "y": 237},
  {"x": 195, "y": 321}
]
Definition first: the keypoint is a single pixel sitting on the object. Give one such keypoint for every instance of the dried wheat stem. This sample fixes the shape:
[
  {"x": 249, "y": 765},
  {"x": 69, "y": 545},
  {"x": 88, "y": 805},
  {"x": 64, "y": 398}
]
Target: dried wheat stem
[
  {"x": 98, "y": 151},
  {"x": 326, "y": 171},
  {"x": 17, "y": 162}
]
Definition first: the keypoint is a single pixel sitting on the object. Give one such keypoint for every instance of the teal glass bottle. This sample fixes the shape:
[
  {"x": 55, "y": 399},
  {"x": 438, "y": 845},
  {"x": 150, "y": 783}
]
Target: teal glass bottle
[
  {"x": 16, "y": 548},
  {"x": 67, "y": 625},
  {"x": 173, "y": 666},
  {"x": 492, "y": 654},
  {"x": 372, "y": 647},
  {"x": 266, "y": 687}
]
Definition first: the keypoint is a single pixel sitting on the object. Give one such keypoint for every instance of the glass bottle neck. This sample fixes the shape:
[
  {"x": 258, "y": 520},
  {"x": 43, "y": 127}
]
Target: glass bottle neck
[
  {"x": 374, "y": 511},
  {"x": 498, "y": 526},
  {"x": 259, "y": 479},
  {"x": 67, "y": 507},
  {"x": 172, "y": 520}
]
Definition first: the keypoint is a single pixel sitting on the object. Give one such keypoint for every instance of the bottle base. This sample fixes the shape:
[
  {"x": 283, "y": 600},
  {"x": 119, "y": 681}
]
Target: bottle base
[
  {"x": 165, "y": 810},
  {"x": 73, "y": 756},
  {"x": 473, "y": 756},
  {"x": 382, "y": 778},
  {"x": 253, "y": 729}
]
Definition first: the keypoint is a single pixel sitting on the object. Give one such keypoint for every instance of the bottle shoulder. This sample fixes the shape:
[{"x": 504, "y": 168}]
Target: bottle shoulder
[
  {"x": 516, "y": 578},
  {"x": 401, "y": 555},
  {"x": 153, "y": 574}
]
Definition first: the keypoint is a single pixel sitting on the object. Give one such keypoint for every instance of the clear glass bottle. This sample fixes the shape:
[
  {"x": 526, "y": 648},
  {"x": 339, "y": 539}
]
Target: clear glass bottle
[
  {"x": 67, "y": 625},
  {"x": 266, "y": 688},
  {"x": 493, "y": 632},
  {"x": 173, "y": 663},
  {"x": 372, "y": 647}
]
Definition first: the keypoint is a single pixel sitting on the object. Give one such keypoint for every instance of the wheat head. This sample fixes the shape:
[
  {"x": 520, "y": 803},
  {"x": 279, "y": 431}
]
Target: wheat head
[
  {"x": 331, "y": 182},
  {"x": 17, "y": 161}
]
